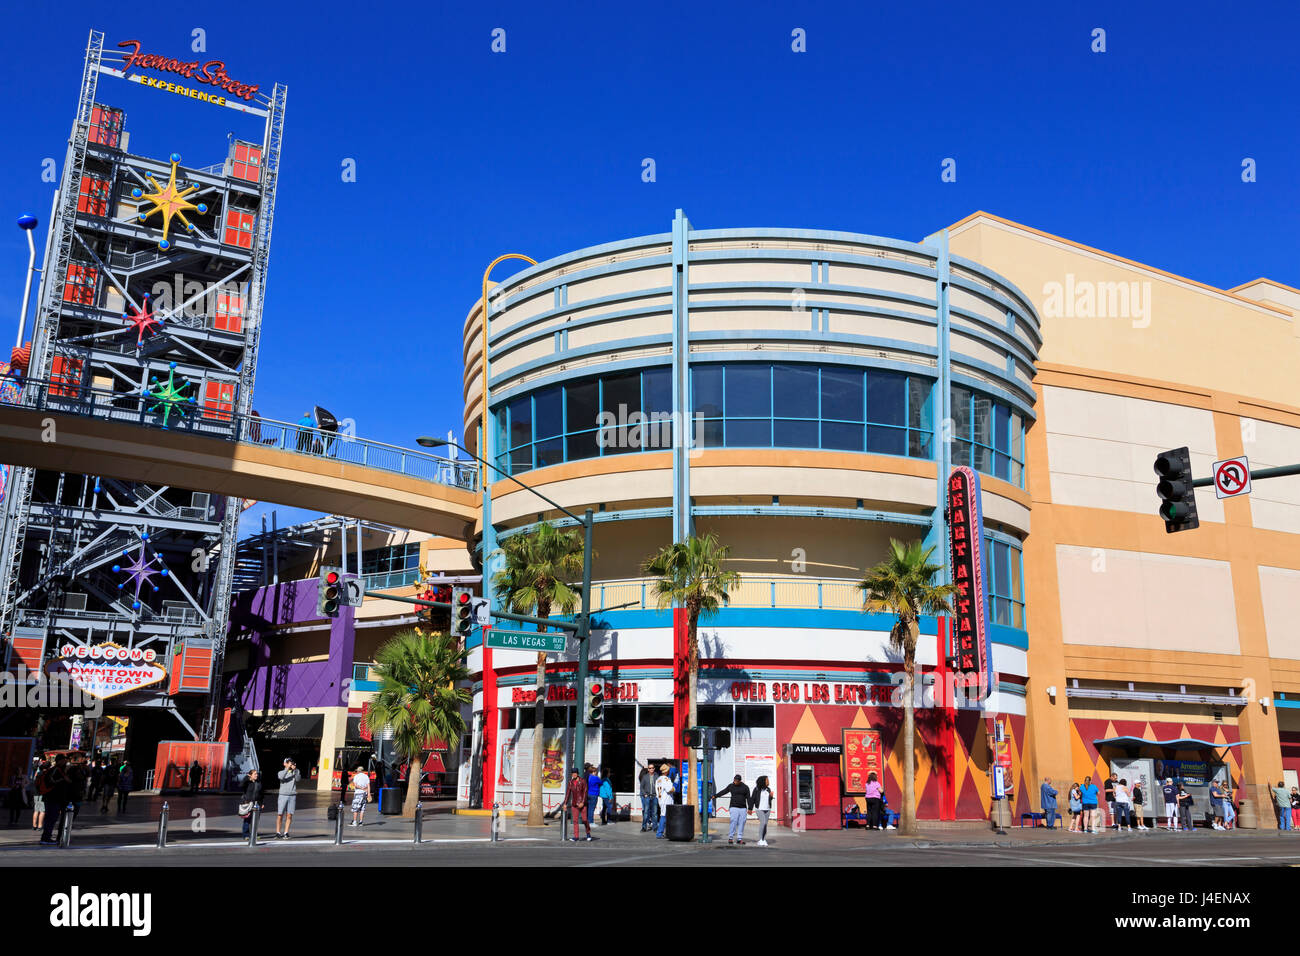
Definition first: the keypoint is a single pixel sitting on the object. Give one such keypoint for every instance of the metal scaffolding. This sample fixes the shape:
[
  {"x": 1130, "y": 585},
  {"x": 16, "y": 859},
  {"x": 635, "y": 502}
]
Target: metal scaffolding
[{"x": 127, "y": 310}]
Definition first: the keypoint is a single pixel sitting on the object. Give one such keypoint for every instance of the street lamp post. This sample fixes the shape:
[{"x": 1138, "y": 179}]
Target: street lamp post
[
  {"x": 27, "y": 224},
  {"x": 584, "y": 619}
]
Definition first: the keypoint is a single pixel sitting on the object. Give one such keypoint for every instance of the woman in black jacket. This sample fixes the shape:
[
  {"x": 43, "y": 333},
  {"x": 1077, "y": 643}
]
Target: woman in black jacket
[{"x": 252, "y": 795}]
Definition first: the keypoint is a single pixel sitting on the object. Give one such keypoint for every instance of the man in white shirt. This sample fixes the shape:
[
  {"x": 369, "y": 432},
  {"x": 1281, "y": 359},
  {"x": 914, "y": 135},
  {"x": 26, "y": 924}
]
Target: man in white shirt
[
  {"x": 664, "y": 790},
  {"x": 360, "y": 794}
]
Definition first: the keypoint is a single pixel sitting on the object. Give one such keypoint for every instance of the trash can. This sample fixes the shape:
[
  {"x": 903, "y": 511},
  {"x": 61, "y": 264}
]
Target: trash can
[
  {"x": 680, "y": 824},
  {"x": 390, "y": 801},
  {"x": 1246, "y": 818}
]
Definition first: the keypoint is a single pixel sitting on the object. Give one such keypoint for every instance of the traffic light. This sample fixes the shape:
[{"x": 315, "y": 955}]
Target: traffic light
[
  {"x": 462, "y": 612},
  {"x": 1177, "y": 497},
  {"x": 595, "y": 697},
  {"x": 720, "y": 739},
  {"x": 693, "y": 738},
  {"x": 328, "y": 592},
  {"x": 706, "y": 738}
]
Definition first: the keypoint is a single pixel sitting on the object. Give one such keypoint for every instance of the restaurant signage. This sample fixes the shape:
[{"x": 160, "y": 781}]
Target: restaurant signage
[{"x": 969, "y": 647}]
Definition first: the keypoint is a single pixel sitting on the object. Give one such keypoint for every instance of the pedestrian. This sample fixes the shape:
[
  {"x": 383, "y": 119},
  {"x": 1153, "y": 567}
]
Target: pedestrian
[
  {"x": 1088, "y": 794},
  {"x": 15, "y": 800},
  {"x": 1170, "y": 793},
  {"x": 287, "y": 801},
  {"x": 360, "y": 796},
  {"x": 593, "y": 793},
  {"x": 1282, "y": 801},
  {"x": 606, "y": 798},
  {"x": 1295, "y": 808},
  {"x": 1047, "y": 793},
  {"x": 38, "y": 795},
  {"x": 1123, "y": 805},
  {"x": 1137, "y": 806},
  {"x": 1216, "y": 805},
  {"x": 77, "y": 775},
  {"x": 308, "y": 421},
  {"x": 575, "y": 798},
  {"x": 112, "y": 770},
  {"x": 196, "y": 777},
  {"x": 1110, "y": 799},
  {"x": 646, "y": 785},
  {"x": 760, "y": 801},
  {"x": 1229, "y": 811},
  {"x": 664, "y": 790},
  {"x": 96, "y": 777},
  {"x": 252, "y": 799},
  {"x": 125, "y": 783},
  {"x": 739, "y": 793},
  {"x": 1185, "y": 804},
  {"x": 54, "y": 785},
  {"x": 1076, "y": 807},
  {"x": 874, "y": 794}
]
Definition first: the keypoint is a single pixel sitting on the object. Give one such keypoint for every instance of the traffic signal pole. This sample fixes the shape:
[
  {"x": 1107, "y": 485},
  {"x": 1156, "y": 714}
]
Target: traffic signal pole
[{"x": 1256, "y": 474}]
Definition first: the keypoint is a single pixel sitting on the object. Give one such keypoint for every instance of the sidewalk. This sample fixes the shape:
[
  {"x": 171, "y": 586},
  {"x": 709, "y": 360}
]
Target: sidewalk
[{"x": 210, "y": 820}]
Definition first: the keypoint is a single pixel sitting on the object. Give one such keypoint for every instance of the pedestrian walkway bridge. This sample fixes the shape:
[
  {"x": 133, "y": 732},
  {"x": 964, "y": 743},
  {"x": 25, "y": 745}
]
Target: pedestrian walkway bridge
[{"x": 173, "y": 441}]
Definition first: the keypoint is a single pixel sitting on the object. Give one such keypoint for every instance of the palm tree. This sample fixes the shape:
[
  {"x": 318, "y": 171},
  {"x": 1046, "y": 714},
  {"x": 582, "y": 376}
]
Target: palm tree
[
  {"x": 903, "y": 585},
  {"x": 421, "y": 690},
  {"x": 689, "y": 574},
  {"x": 537, "y": 565}
]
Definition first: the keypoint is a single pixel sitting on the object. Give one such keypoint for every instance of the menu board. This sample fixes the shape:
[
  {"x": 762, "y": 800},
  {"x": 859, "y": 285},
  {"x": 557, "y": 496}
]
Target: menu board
[{"x": 862, "y": 755}]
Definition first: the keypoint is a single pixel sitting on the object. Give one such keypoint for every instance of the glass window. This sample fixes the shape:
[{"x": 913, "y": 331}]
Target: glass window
[
  {"x": 550, "y": 451},
  {"x": 749, "y": 391},
  {"x": 748, "y": 715},
  {"x": 581, "y": 445},
  {"x": 794, "y": 433},
  {"x": 883, "y": 440},
  {"x": 714, "y": 715},
  {"x": 748, "y": 433},
  {"x": 961, "y": 413},
  {"x": 548, "y": 417},
  {"x": 706, "y": 390},
  {"x": 886, "y": 398},
  {"x": 842, "y": 397},
  {"x": 621, "y": 394},
  {"x": 521, "y": 421},
  {"x": 654, "y": 716},
  {"x": 844, "y": 436},
  {"x": 794, "y": 393},
  {"x": 1001, "y": 432},
  {"x": 581, "y": 400},
  {"x": 657, "y": 390}
]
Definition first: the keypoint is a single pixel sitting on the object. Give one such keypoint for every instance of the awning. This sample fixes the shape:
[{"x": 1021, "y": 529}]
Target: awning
[
  {"x": 1182, "y": 743},
  {"x": 291, "y": 726}
]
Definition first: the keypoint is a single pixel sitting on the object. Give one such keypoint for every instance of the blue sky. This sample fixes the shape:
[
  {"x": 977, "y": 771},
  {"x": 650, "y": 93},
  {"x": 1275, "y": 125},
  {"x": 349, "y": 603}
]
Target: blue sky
[{"x": 463, "y": 154}]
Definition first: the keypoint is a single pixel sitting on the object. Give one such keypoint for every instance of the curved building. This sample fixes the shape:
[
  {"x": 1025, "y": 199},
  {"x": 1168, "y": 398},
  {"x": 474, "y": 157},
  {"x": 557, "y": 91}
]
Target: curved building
[{"x": 797, "y": 393}]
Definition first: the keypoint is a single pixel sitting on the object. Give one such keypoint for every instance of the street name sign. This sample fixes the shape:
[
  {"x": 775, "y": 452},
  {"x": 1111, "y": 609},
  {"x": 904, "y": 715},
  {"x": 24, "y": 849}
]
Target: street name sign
[{"x": 549, "y": 642}]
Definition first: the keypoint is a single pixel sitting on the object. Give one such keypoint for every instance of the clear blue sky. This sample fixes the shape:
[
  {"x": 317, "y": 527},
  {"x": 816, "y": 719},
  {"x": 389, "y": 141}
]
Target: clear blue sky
[{"x": 463, "y": 154}]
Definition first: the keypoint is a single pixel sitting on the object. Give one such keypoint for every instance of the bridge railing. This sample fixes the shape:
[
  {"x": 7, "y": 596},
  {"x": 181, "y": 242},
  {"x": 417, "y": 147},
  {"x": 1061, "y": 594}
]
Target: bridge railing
[{"x": 215, "y": 419}]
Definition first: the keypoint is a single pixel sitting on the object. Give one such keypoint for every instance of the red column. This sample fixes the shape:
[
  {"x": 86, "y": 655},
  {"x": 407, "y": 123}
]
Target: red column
[
  {"x": 490, "y": 721},
  {"x": 681, "y": 682},
  {"x": 947, "y": 729}
]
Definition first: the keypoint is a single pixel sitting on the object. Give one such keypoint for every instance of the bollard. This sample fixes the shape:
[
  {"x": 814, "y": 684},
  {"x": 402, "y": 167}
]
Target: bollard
[
  {"x": 496, "y": 810},
  {"x": 419, "y": 821},
  {"x": 253, "y": 820},
  {"x": 162, "y": 827},
  {"x": 338, "y": 826},
  {"x": 65, "y": 831},
  {"x": 564, "y": 823}
]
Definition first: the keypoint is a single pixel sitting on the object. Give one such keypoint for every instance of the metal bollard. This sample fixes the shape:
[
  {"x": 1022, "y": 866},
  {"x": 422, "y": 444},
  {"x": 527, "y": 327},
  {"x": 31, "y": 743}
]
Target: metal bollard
[
  {"x": 162, "y": 827},
  {"x": 338, "y": 826},
  {"x": 496, "y": 812},
  {"x": 65, "y": 831},
  {"x": 419, "y": 821},
  {"x": 254, "y": 819},
  {"x": 564, "y": 823}
]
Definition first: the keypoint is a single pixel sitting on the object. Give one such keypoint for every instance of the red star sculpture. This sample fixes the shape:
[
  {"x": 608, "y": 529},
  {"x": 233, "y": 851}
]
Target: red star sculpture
[{"x": 142, "y": 321}]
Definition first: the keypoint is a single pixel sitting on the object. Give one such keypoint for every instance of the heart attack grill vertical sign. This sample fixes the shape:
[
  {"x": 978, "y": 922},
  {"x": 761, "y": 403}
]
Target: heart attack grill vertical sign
[{"x": 970, "y": 647}]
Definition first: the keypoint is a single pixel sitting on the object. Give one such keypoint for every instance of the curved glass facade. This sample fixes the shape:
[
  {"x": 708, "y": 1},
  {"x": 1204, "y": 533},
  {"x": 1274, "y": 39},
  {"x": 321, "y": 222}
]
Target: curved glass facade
[{"x": 757, "y": 405}]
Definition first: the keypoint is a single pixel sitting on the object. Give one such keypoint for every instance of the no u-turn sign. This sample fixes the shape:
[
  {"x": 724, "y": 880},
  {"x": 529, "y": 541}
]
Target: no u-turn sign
[{"x": 1232, "y": 477}]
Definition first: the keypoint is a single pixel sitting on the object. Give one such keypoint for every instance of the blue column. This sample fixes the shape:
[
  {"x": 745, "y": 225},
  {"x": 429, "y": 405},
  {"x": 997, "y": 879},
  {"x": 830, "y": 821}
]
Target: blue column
[
  {"x": 943, "y": 403},
  {"x": 682, "y": 430}
]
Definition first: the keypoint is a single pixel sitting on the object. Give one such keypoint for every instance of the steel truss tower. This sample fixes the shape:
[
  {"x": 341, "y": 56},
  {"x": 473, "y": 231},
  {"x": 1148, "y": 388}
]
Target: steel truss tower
[{"x": 98, "y": 340}]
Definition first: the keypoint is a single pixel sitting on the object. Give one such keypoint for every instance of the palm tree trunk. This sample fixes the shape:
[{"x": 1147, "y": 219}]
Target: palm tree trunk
[
  {"x": 907, "y": 822},
  {"x": 412, "y": 785},
  {"x": 535, "y": 787},
  {"x": 692, "y": 686}
]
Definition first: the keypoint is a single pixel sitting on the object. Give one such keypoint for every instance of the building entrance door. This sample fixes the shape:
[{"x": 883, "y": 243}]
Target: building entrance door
[{"x": 618, "y": 748}]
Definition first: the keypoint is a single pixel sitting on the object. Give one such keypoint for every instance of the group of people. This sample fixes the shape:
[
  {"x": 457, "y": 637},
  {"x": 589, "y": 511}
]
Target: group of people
[
  {"x": 55, "y": 788},
  {"x": 1287, "y": 804},
  {"x": 1125, "y": 805},
  {"x": 585, "y": 791}
]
